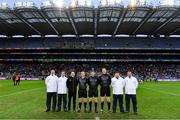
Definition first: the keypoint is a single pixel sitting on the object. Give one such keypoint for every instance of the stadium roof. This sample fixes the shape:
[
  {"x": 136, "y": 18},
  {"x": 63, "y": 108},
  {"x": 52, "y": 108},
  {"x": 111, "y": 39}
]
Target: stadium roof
[{"x": 78, "y": 19}]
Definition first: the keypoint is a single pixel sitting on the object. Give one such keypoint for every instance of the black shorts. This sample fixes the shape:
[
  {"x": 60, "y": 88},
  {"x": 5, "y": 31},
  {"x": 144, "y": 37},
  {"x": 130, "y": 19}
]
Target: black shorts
[
  {"x": 93, "y": 93},
  {"x": 105, "y": 92},
  {"x": 82, "y": 93}
]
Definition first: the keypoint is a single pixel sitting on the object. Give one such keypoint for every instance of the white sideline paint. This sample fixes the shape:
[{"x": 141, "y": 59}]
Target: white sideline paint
[
  {"x": 97, "y": 118},
  {"x": 11, "y": 94},
  {"x": 4, "y": 78},
  {"x": 163, "y": 92}
]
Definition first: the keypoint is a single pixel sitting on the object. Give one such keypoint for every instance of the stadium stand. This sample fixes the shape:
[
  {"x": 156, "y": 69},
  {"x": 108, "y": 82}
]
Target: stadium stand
[
  {"x": 142, "y": 71},
  {"x": 96, "y": 43}
]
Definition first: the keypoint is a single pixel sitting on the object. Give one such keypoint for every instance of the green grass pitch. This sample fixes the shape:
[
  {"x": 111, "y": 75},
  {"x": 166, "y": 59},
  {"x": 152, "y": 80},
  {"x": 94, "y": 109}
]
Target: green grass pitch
[{"x": 155, "y": 101}]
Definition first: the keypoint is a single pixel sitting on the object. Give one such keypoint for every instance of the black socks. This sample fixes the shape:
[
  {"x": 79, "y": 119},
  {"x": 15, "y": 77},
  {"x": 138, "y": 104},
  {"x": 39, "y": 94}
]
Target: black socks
[
  {"x": 80, "y": 104},
  {"x": 102, "y": 105},
  {"x": 109, "y": 106},
  {"x": 85, "y": 104},
  {"x": 90, "y": 106},
  {"x": 96, "y": 106}
]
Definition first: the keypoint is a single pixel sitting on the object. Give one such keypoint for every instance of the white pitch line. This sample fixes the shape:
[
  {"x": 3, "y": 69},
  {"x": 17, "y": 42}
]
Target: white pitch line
[
  {"x": 11, "y": 94},
  {"x": 173, "y": 94},
  {"x": 97, "y": 118}
]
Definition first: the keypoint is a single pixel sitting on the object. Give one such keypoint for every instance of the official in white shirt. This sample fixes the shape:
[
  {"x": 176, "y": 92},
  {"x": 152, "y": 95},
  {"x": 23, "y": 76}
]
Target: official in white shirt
[
  {"x": 51, "y": 85},
  {"x": 117, "y": 83},
  {"x": 131, "y": 85},
  {"x": 62, "y": 92}
]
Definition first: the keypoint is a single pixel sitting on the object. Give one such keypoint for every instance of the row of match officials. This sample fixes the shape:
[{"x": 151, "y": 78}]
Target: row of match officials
[{"x": 64, "y": 88}]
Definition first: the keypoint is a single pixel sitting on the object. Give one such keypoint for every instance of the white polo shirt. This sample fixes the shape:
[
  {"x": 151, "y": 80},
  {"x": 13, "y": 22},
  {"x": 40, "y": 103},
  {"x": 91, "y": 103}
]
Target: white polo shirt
[
  {"x": 131, "y": 85},
  {"x": 51, "y": 83},
  {"x": 62, "y": 88},
  {"x": 117, "y": 85}
]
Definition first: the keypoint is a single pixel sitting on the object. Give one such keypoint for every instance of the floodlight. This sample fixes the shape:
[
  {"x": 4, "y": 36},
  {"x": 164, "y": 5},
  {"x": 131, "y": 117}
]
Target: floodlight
[
  {"x": 28, "y": 4},
  {"x": 46, "y": 3},
  {"x": 170, "y": 2},
  {"x": 73, "y": 3},
  {"x": 3, "y": 5},
  {"x": 104, "y": 2},
  {"x": 88, "y": 2},
  {"x": 24, "y": 4},
  {"x": 167, "y": 2},
  {"x": 145, "y": 2},
  {"x": 111, "y": 2},
  {"x": 18, "y": 4},
  {"x": 82, "y": 2},
  {"x": 132, "y": 3},
  {"x": 118, "y": 2},
  {"x": 59, "y": 3}
]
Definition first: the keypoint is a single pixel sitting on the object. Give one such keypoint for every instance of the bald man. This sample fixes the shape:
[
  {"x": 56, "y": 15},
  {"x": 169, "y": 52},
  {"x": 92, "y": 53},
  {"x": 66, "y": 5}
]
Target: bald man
[
  {"x": 105, "y": 82},
  {"x": 131, "y": 85},
  {"x": 82, "y": 82},
  {"x": 93, "y": 91}
]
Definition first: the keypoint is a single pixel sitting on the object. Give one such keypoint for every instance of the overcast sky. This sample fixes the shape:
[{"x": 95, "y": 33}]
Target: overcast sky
[{"x": 38, "y": 2}]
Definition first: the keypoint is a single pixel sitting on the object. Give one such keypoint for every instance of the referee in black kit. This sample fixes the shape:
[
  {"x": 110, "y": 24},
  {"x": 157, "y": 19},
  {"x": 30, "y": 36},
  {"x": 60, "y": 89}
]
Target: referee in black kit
[
  {"x": 105, "y": 82},
  {"x": 93, "y": 91},
  {"x": 72, "y": 83}
]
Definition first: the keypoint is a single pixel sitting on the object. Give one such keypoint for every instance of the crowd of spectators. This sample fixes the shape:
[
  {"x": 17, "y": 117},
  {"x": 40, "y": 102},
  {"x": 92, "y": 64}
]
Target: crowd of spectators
[{"x": 143, "y": 71}]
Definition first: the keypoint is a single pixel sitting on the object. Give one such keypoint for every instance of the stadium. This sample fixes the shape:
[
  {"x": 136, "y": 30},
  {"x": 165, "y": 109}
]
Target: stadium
[{"x": 138, "y": 35}]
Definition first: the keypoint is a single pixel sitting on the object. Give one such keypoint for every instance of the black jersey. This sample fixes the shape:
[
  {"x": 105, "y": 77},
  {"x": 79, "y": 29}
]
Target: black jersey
[
  {"x": 93, "y": 83},
  {"x": 82, "y": 83},
  {"x": 72, "y": 84},
  {"x": 105, "y": 80}
]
